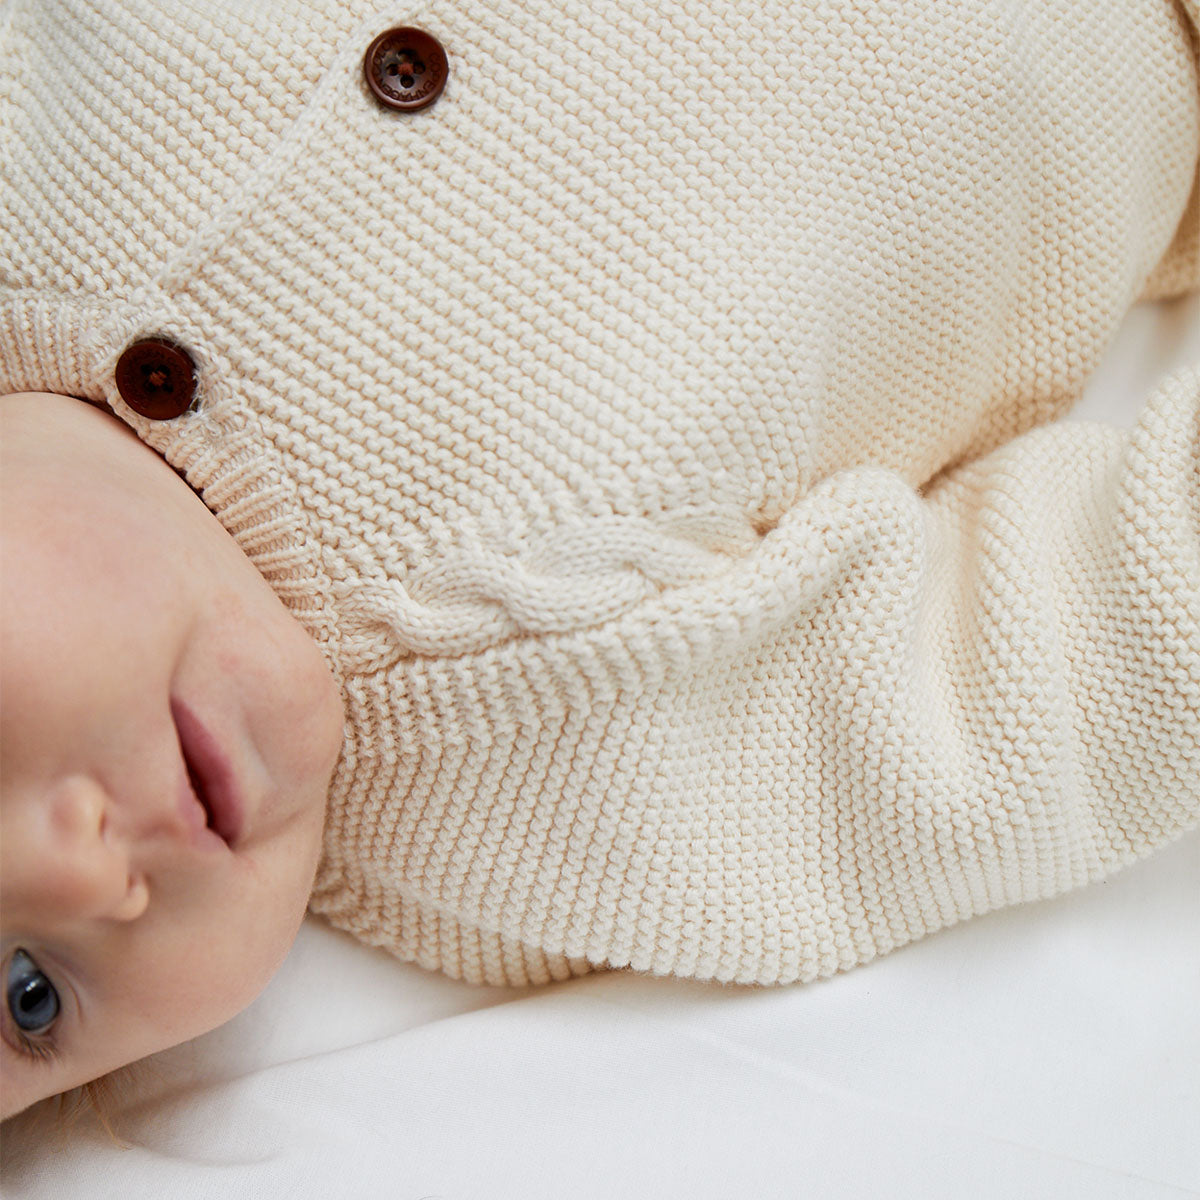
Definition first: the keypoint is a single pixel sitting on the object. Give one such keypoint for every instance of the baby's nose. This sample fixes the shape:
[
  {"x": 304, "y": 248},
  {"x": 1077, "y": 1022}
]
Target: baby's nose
[{"x": 71, "y": 864}]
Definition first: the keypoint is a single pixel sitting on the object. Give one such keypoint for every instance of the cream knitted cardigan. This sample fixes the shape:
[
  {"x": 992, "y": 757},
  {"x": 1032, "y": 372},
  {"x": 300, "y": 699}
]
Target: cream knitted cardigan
[{"x": 637, "y": 431}]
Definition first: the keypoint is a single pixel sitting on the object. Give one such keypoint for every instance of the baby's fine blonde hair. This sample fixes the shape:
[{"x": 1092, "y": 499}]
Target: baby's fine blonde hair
[{"x": 100, "y": 1099}]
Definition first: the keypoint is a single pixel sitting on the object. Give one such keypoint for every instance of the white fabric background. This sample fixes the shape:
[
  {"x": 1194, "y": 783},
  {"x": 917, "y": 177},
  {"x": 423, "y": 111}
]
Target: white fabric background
[{"x": 1047, "y": 1051}]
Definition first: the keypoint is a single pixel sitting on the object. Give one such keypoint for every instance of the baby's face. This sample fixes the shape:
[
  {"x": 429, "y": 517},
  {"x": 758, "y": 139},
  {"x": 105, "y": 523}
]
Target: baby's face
[{"x": 167, "y": 736}]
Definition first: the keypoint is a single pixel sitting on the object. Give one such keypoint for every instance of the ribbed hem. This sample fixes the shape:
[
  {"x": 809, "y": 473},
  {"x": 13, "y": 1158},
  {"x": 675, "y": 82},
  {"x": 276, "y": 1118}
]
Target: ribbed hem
[{"x": 45, "y": 344}]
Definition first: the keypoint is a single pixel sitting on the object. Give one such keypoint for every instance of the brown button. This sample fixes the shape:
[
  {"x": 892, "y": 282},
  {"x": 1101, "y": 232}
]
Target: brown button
[
  {"x": 406, "y": 68},
  {"x": 157, "y": 379}
]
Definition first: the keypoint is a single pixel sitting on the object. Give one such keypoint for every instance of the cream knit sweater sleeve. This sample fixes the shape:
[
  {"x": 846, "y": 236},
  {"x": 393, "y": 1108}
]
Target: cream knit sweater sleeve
[
  {"x": 885, "y": 714},
  {"x": 655, "y": 434}
]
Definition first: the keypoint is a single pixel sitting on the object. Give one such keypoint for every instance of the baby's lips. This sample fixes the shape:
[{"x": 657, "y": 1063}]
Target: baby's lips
[{"x": 210, "y": 783}]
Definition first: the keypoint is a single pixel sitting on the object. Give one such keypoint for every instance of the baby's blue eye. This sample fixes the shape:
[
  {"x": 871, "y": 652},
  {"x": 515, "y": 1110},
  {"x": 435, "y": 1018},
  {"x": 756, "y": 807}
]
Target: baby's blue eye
[{"x": 32, "y": 1000}]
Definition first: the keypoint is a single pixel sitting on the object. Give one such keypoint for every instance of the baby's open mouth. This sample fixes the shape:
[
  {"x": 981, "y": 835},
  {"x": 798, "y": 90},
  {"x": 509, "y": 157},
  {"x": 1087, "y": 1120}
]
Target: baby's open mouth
[{"x": 210, "y": 775}]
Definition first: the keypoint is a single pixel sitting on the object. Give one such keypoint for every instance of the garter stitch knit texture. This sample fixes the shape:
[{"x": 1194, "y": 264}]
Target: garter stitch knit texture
[{"x": 646, "y": 432}]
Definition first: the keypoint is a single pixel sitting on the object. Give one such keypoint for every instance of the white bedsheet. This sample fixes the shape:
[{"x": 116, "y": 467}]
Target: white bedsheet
[{"x": 1047, "y": 1051}]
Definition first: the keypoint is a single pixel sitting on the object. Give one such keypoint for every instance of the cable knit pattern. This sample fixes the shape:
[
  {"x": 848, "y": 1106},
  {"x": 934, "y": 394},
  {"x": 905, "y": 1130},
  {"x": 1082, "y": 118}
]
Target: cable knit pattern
[{"x": 653, "y": 432}]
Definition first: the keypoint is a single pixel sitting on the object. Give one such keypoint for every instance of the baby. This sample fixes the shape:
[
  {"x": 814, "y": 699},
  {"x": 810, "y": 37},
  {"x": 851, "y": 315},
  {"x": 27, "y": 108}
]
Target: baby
[{"x": 554, "y": 488}]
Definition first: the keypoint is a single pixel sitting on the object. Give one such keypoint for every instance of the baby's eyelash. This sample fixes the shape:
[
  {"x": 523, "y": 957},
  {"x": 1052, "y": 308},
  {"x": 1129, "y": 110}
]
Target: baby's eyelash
[{"x": 36, "y": 1049}]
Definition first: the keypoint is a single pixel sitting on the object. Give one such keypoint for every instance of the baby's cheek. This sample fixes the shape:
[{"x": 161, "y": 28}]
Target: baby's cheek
[
  {"x": 308, "y": 721},
  {"x": 228, "y": 967}
]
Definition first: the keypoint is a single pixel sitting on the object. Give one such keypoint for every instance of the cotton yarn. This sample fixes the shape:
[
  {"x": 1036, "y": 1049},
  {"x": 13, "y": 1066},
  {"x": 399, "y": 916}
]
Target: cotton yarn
[{"x": 653, "y": 433}]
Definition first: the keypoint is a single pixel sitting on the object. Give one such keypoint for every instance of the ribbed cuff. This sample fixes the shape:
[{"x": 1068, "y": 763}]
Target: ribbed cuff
[{"x": 45, "y": 344}]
